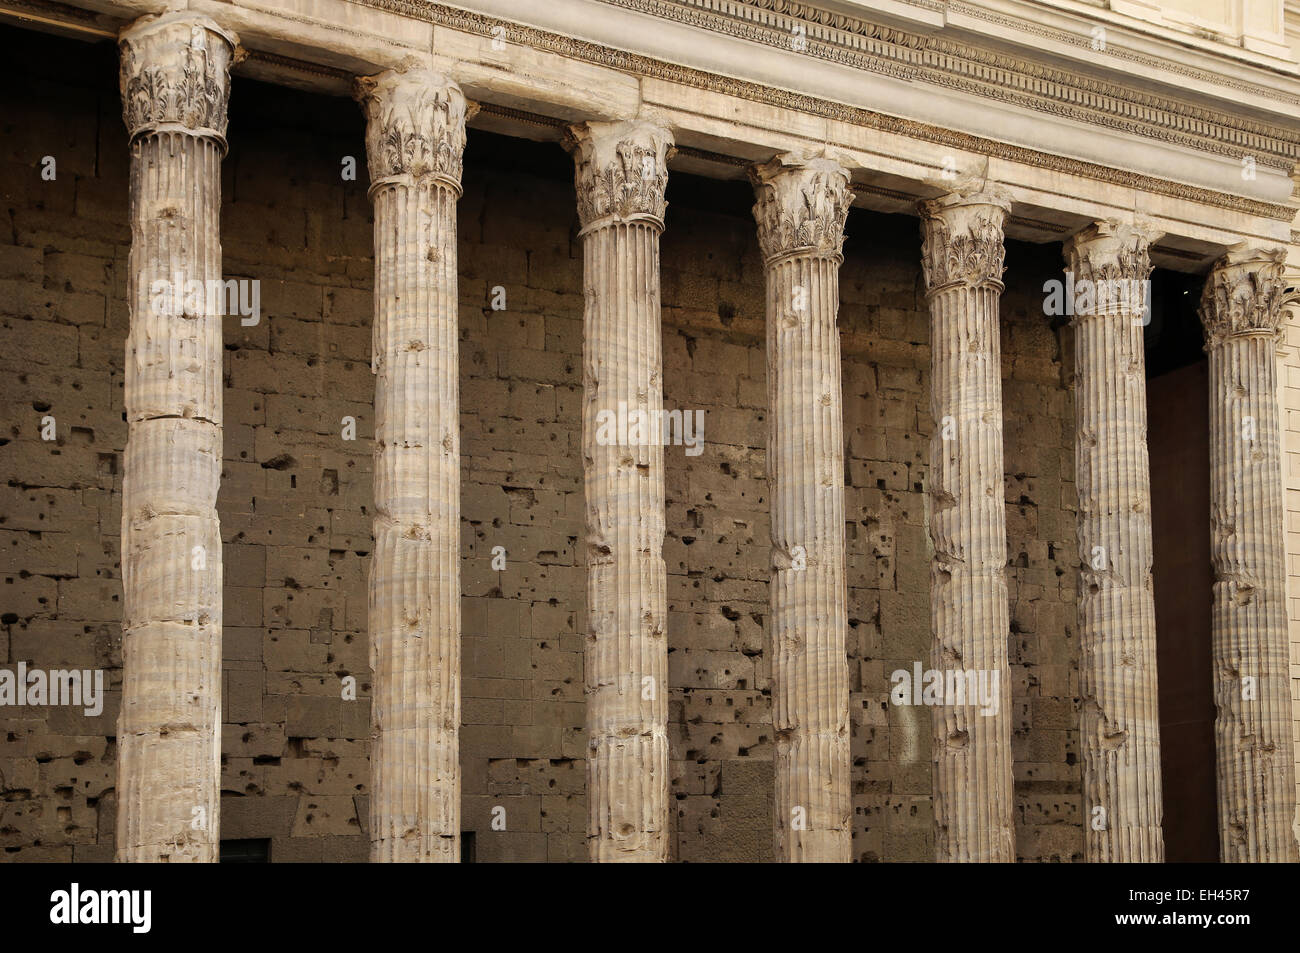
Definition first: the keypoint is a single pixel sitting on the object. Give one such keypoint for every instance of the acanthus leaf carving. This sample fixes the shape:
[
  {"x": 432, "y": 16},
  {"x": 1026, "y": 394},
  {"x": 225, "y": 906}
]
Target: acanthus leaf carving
[
  {"x": 175, "y": 72},
  {"x": 962, "y": 240},
  {"x": 1244, "y": 294},
  {"x": 415, "y": 125},
  {"x": 620, "y": 170},
  {"x": 801, "y": 205},
  {"x": 1115, "y": 258}
]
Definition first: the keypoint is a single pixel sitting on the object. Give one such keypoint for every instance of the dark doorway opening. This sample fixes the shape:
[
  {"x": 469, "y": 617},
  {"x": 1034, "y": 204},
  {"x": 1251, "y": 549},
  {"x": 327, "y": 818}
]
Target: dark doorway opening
[
  {"x": 1178, "y": 441},
  {"x": 255, "y": 850}
]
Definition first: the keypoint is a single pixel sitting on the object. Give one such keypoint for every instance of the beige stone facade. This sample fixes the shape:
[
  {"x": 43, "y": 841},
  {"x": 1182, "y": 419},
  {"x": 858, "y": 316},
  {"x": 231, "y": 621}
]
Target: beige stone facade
[{"x": 750, "y": 483}]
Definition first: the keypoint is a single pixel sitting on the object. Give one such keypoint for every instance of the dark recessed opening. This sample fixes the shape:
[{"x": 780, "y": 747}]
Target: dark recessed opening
[{"x": 255, "y": 850}]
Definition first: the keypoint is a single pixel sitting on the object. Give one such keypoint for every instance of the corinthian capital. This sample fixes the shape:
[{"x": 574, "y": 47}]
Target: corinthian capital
[
  {"x": 620, "y": 171},
  {"x": 1114, "y": 259},
  {"x": 961, "y": 238},
  {"x": 1244, "y": 293},
  {"x": 175, "y": 75},
  {"x": 415, "y": 125},
  {"x": 802, "y": 205},
  {"x": 1112, "y": 251}
]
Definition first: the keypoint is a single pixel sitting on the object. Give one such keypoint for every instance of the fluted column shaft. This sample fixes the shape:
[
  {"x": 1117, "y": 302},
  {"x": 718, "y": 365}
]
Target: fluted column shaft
[
  {"x": 801, "y": 209},
  {"x": 415, "y": 136},
  {"x": 962, "y": 258},
  {"x": 1120, "y": 721},
  {"x": 620, "y": 175},
  {"x": 175, "y": 87},
  {"x": 1242, "y": 313}
]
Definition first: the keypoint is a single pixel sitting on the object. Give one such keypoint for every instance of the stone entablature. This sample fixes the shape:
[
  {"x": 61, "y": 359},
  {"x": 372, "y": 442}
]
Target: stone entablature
[
  {"x": 957, "y": 64},
  {"x": 1189, "y": 178}
]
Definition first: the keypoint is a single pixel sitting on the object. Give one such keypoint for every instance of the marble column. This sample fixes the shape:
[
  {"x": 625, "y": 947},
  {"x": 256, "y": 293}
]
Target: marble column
[
  {"x": 1241, "y": 308},
  {"x": 415, "y": 137},
  {"x": 962, "y": 256},
  {"x": 621, "y": 174},
  {"x": 175, "y": 86},
  {"x": 1109, "y": 265},
  {"x": 801, "y": 207}
]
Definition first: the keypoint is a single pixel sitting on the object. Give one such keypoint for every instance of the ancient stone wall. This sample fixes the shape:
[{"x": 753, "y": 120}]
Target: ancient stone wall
[{"x": 295, "y": 501}]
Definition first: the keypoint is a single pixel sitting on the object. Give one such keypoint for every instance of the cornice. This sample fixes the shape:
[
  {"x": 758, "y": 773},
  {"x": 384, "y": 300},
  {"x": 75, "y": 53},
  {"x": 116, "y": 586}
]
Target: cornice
[
  {"x": 887, "y": 50},
  {"x": 1154, "y": 63},
  {"x": 638, "y": 64}
]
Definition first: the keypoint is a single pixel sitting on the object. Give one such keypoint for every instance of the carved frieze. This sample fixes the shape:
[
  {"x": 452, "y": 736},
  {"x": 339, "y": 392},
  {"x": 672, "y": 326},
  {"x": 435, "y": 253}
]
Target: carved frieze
[{"x": 1274, "y": 139}]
